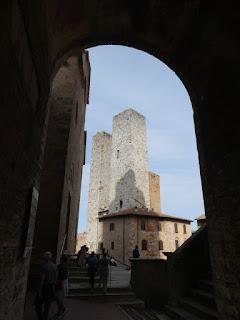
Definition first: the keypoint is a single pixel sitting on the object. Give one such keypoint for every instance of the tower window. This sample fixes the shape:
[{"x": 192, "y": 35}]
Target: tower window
[
  {"x": 112, "y": 245},
  {"x": 117, "y": 154},
  {"x": 176, "y": 244},
  {"x": 121, "y": 204},
  {"x": 144, "y": 245},
  {"x": 184, "y": 229},
  {"x": 160, "y": 245},
  {"x": 176, "y": 227},
  {"x": 76, "y": 119},
  {"x": 159, "y": 226},
  {"x": 111, "y": 227},
  {"x": 143, "y": 225}
]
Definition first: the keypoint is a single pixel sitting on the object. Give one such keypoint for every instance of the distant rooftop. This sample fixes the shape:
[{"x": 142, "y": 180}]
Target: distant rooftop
[
  {"x": 140, "y": 212},
  {"x": 129, "y": 111},
  {"x": 202, "y": 217}
]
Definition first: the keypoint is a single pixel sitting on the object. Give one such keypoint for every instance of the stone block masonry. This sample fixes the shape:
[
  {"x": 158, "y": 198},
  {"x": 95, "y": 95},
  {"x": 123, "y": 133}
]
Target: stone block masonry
[
  {"x": 129, "y": 165},
  {"x": 98, "y": 194}
]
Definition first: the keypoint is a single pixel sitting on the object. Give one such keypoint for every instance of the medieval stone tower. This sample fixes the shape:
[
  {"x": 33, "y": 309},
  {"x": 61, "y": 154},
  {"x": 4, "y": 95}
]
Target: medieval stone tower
[
  {"x": 119, "y": 171},
  {"x": 129, "y": 184},
  {"x": 98, "y": 194}
]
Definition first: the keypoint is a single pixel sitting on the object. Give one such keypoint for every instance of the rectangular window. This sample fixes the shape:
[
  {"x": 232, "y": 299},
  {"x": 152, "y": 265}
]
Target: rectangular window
[
  {"x": 112, "y": 245},
  {"x": 144, "y": 245},
  {"x": 76, "y": 116},
  {"x": 160, "y": 245},
  {"x": 67, "y": 221},
  {"x": 184, "y": 229},
  {"x": 111, "y": 227},
  {"x": 159, "y": 226},
  {"x": 176, "y": 244},
  {"x": 176, "y": 227},
  {"x": 143, "y": 225}
]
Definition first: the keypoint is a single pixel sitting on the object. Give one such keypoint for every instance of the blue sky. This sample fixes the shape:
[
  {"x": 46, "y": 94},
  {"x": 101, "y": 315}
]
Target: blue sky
[{"x": 123, "y": 77}]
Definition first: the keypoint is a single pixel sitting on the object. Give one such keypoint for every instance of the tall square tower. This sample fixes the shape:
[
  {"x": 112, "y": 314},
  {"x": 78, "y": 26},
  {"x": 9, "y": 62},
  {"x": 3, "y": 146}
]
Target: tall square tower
[
  {"x": 129, "y": 186},
  {"x": 98, "y": 194}
]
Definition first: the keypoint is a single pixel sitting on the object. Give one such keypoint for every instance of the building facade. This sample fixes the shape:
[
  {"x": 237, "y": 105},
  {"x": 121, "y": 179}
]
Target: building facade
[{"x": 154, "y": 233}]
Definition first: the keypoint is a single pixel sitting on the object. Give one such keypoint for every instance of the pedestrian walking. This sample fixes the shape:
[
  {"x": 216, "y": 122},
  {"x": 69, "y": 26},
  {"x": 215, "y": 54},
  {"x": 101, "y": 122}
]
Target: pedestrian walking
[
  {"x": 113, "y": 262},
  {"x": 46, "y": 293},
  {"x": 135, "y": 252},
  {"x": 81, "y": 257},
  {"x": 92, "y": 268},
  {"x": 62, "y": 285},
  {"x": 103, "y": 271}
]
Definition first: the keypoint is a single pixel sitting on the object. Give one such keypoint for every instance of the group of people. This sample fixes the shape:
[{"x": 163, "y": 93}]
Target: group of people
[
  {"x": 96, "y": 264},
  {"x": 54, "y": 278},
  {"x": 53, "y": 287}
]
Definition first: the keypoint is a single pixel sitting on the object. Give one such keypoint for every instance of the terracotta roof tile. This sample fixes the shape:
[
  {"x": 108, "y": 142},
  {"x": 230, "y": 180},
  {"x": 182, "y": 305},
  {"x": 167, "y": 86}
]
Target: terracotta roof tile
[{"x": 141, "y": 212}]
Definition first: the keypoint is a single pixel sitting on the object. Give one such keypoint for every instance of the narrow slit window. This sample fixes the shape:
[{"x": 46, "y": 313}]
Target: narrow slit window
[
  {"x": 160, "y": 245},
  {"x": 112, "y": 245},
  {"x": 184, "y": 229},
  {"x": 117, "y": 154},
  {"x": 144, "y": 245},
  {"x": 176, "y": 244},
  {"x": 76, "y": 119},
  {"x": 121, "y": 204},
  {"x": 176, "y": 227},
  {"x": 143, "y": 225}
]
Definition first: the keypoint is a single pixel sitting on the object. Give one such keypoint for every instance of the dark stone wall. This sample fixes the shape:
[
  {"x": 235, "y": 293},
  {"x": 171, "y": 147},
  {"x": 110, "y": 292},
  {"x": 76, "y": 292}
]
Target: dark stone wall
[
  {"x": 149, "y": 280},
  {"x": 21, "y": 143},
  {"x": 62, "y": 165},
  {"x": 159, "y": 282},
  {"x": 189, "y": 264}
]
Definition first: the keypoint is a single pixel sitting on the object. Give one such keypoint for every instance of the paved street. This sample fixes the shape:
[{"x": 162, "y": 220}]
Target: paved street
[{"x": 87, "y": 310}]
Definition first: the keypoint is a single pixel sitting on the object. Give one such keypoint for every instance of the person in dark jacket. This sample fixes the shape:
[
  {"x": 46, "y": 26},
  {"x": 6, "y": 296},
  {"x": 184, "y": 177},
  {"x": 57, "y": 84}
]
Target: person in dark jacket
[
  {"x": 62, "y": 285},
  {"x": 46, "y": 293},
  {"x": 92, "y": 268},
  {"x": 136, "y": 253}
]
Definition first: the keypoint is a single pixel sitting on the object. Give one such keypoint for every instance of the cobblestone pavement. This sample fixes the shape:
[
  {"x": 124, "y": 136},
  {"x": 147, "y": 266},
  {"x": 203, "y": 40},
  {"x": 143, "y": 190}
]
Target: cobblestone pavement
[{"x": 82, "y": 310}]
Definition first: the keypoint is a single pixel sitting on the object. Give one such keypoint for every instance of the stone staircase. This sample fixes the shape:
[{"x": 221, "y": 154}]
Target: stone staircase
[
  {"x": 118, "y": 286},
  {"x": 199, "y": 305}
]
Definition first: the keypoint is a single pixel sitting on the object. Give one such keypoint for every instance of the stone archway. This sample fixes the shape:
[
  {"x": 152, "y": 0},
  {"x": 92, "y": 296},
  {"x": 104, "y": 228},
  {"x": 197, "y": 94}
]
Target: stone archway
[{"x": 197, "y": 39}]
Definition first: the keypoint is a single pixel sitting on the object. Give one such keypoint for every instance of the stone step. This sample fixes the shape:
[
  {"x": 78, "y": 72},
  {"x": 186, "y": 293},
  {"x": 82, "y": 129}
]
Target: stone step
[
  {"x": 77, "y": 279},
  {"x": 77, "y": 274},
  {"x": 116, "y": 297},
  {"x": 199, "y": 309},
  {"x": 76, "y": 267},
  {"x": 139, "y": 312},
  {"x": 206, "y": 285},
  {"x": 177, "y": 313},
  {"x": 85, "y": 288},
  {"x": 206, "y": 298}
]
